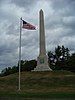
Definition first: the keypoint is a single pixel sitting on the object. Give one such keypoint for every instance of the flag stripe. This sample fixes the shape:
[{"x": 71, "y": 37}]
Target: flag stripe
[{"x": 28, "y": 26}]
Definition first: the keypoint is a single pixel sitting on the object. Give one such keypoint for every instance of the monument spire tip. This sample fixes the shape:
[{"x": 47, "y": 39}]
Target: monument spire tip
[{"x": 41, "y": 10}]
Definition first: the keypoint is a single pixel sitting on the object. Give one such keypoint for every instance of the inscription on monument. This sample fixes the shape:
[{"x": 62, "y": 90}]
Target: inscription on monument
[{"x": 41, "y": 60}]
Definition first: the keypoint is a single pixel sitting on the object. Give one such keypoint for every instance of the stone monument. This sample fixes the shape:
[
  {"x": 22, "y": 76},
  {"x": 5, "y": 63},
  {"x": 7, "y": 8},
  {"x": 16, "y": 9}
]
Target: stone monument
[{"x": 42, "y": 60}]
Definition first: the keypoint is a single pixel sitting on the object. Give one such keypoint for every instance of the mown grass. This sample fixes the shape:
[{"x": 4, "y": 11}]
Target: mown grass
[
  {"x": 39, "y": 95},
  {"x": 55, "y": 84}
]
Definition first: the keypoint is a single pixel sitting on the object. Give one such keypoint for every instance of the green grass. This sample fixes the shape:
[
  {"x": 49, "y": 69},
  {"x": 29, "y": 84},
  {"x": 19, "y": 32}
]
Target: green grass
[
  {"x": 39, "y": 95},
  {"x": 55, "y": 84}
]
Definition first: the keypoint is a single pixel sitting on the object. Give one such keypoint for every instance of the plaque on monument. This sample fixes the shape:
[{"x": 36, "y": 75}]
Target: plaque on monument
[{"x": 41, "y": 60}]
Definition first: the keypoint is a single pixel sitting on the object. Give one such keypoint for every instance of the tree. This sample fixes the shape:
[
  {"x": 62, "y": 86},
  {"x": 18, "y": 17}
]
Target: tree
[
  {"x": 50, "y": 55},
  {"x": 67, "y": 53},
  {"x": 58, "y": 52},
  {"x": 29, "y": 65},
  {"x": 63, "y": 51},
  {"x": 25, "y": 66},
  {"x": 61, "y": 59},
  {"x": 71, "y": 63}
]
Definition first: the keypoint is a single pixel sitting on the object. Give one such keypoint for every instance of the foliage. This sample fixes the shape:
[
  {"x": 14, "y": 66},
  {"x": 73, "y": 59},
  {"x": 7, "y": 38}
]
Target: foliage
[
  {"x": 61, "y": 59},
  {"x": 25, "y": 66}
]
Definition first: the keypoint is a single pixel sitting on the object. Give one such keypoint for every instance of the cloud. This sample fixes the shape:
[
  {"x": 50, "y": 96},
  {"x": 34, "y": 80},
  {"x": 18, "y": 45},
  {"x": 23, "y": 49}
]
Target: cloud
[
  {"x": 59, "y": 27},
  {"x": 24, "y": 3}
]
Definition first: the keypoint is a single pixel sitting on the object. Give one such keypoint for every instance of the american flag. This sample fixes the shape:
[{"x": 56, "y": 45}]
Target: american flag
[{"x": 28, "y": 26}]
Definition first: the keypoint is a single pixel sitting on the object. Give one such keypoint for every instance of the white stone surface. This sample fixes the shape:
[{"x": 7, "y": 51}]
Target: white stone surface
[{"x": 42, "y": 61}]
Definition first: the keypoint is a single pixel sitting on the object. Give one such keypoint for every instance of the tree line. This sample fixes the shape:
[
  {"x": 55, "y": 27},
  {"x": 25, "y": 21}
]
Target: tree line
[
  {"x": 60, "y": 59},
  {"x": 25, "y": 66}
]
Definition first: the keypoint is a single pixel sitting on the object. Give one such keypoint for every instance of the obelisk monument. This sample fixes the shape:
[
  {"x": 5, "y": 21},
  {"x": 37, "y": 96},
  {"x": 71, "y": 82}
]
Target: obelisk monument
[{"x": 42, "y": 60}]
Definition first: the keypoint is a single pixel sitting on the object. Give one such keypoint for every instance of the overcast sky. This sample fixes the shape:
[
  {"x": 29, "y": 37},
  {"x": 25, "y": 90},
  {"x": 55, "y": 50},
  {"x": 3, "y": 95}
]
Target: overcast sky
[{"x": 59, "y": 27}]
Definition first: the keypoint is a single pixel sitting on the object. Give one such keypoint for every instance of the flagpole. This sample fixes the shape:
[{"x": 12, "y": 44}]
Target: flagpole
[{"x": 19, "y": 84}]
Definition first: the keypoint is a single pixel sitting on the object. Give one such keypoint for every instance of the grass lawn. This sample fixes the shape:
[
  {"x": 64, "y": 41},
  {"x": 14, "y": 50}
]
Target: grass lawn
[{"x": 38, "y": 85}]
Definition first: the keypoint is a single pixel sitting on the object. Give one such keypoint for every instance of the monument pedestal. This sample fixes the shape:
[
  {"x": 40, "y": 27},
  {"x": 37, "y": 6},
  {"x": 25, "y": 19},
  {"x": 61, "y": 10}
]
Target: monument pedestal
[{"x": 42, "y": 64}]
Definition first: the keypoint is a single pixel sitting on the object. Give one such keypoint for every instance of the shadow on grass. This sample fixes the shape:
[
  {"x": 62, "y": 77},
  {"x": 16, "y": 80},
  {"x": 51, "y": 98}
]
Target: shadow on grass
[{"x": 37, "y": 96}]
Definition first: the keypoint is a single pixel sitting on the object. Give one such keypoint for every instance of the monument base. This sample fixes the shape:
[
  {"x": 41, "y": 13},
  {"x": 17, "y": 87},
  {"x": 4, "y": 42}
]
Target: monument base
[
  {"x": 42, "y": 68},
  {"x": 42, "y": 64}
]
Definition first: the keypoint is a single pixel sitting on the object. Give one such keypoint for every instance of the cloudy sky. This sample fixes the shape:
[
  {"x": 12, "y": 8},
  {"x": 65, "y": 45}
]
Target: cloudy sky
[{"x": 59, "y": 27}]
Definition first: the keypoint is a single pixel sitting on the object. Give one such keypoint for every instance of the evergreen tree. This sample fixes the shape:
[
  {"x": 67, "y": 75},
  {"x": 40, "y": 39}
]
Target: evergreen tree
[
  {"x": 58, "y": 52},
  {"x": 63, "y": 51},
  {"x": 67, "y": 53}
]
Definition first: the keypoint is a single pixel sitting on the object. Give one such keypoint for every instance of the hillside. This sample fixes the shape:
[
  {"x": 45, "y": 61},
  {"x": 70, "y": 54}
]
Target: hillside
[{"x": 39, "y": 84}]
